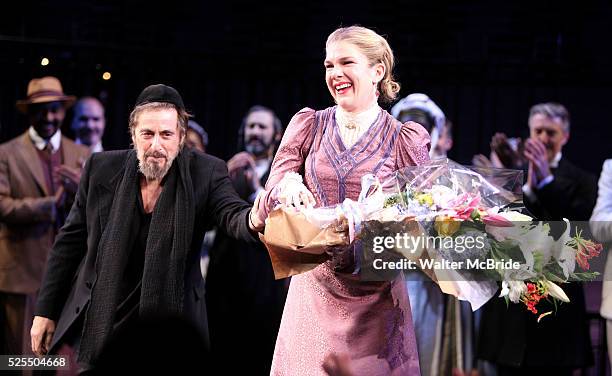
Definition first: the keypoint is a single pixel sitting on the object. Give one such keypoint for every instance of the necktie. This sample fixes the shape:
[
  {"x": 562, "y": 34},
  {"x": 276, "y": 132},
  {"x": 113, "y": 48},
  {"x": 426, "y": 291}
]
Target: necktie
[
  {"x": 48, "y": 149},
  {"x": 49, "y": 152}
]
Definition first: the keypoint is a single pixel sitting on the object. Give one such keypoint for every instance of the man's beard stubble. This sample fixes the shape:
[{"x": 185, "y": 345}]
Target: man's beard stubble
[
  {"x": 153, "y": 170},
  {"x": 258, "y": 147}
]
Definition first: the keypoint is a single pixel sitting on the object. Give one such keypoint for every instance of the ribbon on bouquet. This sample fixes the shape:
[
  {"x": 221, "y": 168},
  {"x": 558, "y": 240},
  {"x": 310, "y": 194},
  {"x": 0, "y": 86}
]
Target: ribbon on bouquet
[
  {"x": 354, "y": 215},
  {"x": 371, "y": 199}
]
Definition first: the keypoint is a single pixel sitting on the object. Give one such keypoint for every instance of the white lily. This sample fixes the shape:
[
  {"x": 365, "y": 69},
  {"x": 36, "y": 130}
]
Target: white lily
[
  {"x": 564, "y": 254},
  {"x": 520, "y": 221},
  {"x": 513, "y": 289},
  {"x": 523, "y": 273},
  {"x": 556, "y": 292},
  {"x": 442, "y": 195},
  {"x": 538, "y": 240},
  {"x": 515, "y": 216}
]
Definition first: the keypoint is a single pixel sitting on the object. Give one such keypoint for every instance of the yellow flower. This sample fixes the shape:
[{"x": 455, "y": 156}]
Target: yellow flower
[
  {"x": 425, "y": 199},
  {"x": 446, "y": 226}
]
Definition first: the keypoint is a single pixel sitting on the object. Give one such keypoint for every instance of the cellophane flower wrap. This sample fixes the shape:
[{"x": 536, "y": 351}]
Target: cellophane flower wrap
[
  {"x": 453, "y": 204},
  {"x": 422, "y": 218}
]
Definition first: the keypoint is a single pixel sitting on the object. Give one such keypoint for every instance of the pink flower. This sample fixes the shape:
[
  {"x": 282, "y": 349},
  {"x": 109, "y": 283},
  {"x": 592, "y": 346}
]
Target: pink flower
[
  {"x": 464, "y": 205},
  {"x": 494, "y": 219}
]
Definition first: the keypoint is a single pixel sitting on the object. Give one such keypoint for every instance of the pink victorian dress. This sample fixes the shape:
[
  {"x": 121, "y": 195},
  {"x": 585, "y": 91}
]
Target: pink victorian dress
[{"x": 329, "y": 309}]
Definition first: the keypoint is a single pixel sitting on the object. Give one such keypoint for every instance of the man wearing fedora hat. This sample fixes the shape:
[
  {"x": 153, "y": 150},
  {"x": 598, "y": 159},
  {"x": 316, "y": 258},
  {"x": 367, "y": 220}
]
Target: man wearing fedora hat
[
  {"x": 130, "y": 247},
  {"x": 39, "y": 172}
]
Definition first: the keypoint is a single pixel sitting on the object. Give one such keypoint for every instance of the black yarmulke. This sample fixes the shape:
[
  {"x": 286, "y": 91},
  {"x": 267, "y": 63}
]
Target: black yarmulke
[{"x": 160, "y": 93}]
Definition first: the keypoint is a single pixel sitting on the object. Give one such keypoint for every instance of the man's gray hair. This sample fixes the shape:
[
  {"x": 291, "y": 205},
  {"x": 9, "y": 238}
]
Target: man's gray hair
[{"x": 552, "y": 110}]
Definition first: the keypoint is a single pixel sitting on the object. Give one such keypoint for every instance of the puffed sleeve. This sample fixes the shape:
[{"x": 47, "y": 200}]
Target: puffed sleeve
[
  {"x": 292, "y": 152},
  {"x": 412, "y": 147}
]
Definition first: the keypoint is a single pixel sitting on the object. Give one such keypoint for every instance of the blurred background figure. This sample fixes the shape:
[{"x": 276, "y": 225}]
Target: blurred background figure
[
  {"x": 510, "y": 336},
  {"x": 196, "y": 137},
  {"x": 445, "y": 141},
  {"x": 421, "y": 109},
  {"x": 505, "y": 153},
  {"x": 39, "y": 174},
  {"x": 245, "y": 302},
  {"x": 88, "y": 123},
  {"x": 258, "y": 137},
  {"x": 444, "y": 326}
]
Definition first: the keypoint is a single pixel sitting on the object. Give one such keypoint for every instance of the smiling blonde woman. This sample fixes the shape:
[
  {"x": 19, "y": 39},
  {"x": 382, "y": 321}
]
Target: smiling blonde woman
[{"x": 331, "y": 313}]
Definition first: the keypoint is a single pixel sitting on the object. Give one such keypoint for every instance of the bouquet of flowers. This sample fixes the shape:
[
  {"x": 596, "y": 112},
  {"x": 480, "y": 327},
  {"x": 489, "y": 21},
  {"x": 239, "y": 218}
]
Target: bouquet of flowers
[
  {"x": 455, "y": 204},
  {"x": 470, "y": 232}
]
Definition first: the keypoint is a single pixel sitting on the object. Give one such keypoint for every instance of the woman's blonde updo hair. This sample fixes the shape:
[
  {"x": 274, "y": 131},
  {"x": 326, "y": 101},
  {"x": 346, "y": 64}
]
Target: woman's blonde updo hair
[{"x": 376, "y": 49}]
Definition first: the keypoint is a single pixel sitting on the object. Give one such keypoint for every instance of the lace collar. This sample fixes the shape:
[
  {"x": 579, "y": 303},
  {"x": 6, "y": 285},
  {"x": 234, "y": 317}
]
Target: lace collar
[{"x": 359, "y": 120}]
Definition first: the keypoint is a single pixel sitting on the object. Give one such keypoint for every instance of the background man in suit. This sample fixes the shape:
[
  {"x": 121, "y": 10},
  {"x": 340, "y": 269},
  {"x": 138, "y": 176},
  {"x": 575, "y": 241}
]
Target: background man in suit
[
  {"x": 136, "y": 230},
  {"x": 88, "y": 123},
  {"x": 555, "y": 189},
  {"x": 258, "y": 137},
  {"x": 39, "y": 172},
  {"x": 246, "y": 309}
]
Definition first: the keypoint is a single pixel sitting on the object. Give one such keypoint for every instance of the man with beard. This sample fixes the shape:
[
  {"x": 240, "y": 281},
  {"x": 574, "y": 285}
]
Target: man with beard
[
  {"x": 39, "y": 172},
  {"x": 258, "y": 137},
  {"x": 88, "y": 123},
  {"x": 246, "y": 309},
  {"x": 510, "y": 336},
  {"x": 131, "y": 242}
]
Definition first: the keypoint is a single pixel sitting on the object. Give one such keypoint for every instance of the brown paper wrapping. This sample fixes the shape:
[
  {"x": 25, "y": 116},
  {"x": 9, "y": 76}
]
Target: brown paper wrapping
[{"x": 296, "y": 245}]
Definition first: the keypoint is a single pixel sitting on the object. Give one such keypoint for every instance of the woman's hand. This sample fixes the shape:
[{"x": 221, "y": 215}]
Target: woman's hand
[{"x": 292, "y": 192}]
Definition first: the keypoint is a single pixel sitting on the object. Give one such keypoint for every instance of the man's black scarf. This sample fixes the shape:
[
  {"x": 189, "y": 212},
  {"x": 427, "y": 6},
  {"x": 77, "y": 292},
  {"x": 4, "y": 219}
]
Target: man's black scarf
[{"x": 168, "y": 243}]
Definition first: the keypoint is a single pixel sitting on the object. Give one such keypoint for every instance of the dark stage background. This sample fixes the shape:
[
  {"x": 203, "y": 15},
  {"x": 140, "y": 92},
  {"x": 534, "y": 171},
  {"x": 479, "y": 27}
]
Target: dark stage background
[{"x": 483, "y": 62}]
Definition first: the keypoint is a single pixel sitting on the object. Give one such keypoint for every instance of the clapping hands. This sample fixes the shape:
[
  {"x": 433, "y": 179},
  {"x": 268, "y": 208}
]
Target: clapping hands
[
  {"x": 509, "y": 156},
  {"x": 246, "y": 162},
  {"x": 69, "y": 178},
  {"x": 539, "y": 168}
]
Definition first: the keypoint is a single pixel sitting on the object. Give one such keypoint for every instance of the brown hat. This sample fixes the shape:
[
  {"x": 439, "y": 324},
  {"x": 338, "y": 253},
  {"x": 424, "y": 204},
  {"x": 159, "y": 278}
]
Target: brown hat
[{"x": 43, "y": 90}]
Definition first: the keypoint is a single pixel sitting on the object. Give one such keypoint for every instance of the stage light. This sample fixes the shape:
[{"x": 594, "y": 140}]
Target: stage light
[
  {"x": 106, "y": 76},
  {"x": 44, "y": 61}
]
